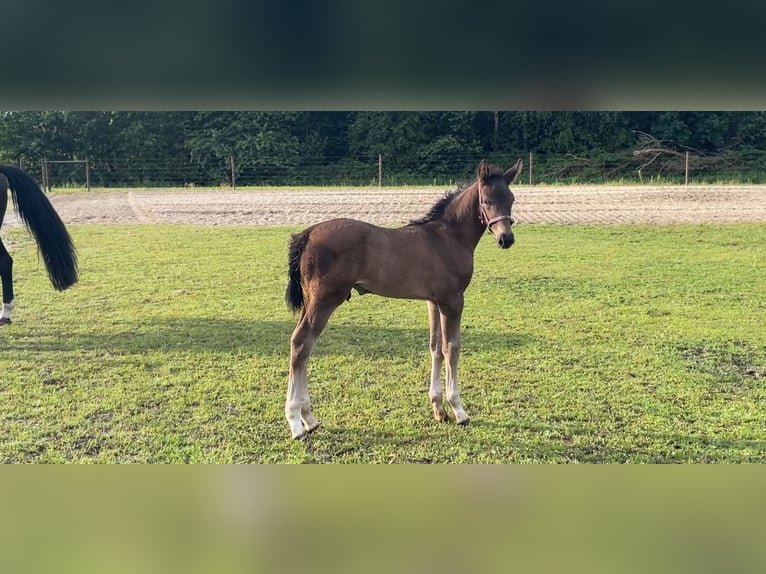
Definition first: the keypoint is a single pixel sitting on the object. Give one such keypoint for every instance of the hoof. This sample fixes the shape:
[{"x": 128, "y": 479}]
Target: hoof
[
  {"x": 464, "y": 422},
  {"x": 5, "y": 321},
  {"x": 296, "y": 428},
  {"x": 461, "y": 417},
  {"x": 305, "y": 432},
  {"x": 300, "y": 436},
  {"x": 439, "y": 414}
]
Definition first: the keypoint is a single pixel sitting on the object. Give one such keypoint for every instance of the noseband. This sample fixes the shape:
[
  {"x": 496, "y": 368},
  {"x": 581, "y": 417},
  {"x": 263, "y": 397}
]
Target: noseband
[{"x": 485, "y": 219}]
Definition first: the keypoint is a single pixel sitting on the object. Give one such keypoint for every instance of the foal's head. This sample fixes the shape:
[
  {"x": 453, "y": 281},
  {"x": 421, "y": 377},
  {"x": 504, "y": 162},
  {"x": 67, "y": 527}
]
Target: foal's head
[{"x": 496, "y": 200}]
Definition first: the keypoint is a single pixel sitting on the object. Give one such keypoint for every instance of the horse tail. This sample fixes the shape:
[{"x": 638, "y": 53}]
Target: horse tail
[
  {"x": 294, "y": 291},
  {"x": 45, "y": 225}
]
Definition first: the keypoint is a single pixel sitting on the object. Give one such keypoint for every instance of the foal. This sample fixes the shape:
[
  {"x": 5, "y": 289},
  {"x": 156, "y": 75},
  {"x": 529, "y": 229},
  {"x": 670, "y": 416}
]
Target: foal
[{"x": 430, "y": 259}]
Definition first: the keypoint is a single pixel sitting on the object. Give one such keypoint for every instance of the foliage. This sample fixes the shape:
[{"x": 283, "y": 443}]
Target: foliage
[
  {"x": 278, "y": 148},
  {"x": 581, "y": 344}
]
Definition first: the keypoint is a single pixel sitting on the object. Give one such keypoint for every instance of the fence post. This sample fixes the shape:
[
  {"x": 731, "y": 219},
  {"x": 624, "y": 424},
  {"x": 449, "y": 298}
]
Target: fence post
[
  {"x": 46, "y": 182},
  {"x": 233, "y": 173},
  {"x": 686, "y": 169},
  {"x": 87, "y": 173},
  {"x": 380, "y": 171},
  {"x": 530, "y": 169}
]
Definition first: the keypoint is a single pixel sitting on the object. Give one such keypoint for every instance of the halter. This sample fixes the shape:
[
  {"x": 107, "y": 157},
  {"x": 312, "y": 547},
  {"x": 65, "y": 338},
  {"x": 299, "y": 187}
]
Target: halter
[{"x": 484, "y": 217}]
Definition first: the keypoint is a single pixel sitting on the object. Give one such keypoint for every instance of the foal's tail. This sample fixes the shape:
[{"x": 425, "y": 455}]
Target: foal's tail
[
  {"x": 294, "y": 291},
  {"x": 42, "y": 221}
]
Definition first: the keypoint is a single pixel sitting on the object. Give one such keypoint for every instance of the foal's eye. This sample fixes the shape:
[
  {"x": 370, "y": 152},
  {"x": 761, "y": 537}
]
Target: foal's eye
[{"x": 486, "y": 203}]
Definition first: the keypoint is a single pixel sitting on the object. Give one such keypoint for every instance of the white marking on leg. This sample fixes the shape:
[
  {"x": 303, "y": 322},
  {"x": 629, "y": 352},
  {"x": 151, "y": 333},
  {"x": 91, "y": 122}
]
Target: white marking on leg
[
  {"x": 435, "y": 389},
  {"x": 7, "y": 309},
  {"x": 453, "y": 395},
  {"x": 293, "y": 404}
]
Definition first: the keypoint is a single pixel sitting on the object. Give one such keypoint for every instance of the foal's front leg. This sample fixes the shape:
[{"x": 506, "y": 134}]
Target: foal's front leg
[
  {"x": 437, "y": 359},
  {"x": 451, "y": 312}
]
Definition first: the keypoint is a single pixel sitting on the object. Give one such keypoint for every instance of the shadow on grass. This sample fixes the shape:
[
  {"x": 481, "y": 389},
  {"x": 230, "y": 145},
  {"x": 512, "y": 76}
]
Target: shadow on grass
[
  {"x": 265, "y": 338},
  {"x": 338, "y": 444}
]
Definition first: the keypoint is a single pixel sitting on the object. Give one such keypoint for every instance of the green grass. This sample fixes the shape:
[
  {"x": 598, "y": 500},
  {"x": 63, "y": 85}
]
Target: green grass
[{"x": 581, "y": 344}]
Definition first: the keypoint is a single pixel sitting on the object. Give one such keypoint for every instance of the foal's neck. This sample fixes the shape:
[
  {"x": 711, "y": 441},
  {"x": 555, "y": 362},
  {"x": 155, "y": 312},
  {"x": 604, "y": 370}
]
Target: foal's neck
[{"x": 463, "y": 212}]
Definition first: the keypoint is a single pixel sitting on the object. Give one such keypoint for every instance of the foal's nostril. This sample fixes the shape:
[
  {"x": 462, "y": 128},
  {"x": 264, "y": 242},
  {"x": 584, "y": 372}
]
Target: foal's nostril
[{"x": 505, "y": 240}]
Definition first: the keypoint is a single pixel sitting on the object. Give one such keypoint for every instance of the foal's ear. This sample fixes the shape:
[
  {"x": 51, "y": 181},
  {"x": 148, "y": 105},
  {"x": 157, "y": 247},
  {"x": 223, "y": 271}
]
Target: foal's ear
[
  {"x": 482, "y": 173},
  {"x": 511, "y": 175}
]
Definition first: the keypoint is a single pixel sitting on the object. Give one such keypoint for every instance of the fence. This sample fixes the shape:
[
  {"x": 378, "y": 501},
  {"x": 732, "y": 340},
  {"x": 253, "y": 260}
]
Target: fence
[
  {"x": 379, "y": 170},
  {"x": 47, "y": 166}
]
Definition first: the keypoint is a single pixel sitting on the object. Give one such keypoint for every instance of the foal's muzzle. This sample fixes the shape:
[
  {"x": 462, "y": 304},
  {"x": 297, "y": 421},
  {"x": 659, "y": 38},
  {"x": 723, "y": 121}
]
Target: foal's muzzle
[
  {"x": 505, "y": 240},
  {"x": 503, "y": 232}
]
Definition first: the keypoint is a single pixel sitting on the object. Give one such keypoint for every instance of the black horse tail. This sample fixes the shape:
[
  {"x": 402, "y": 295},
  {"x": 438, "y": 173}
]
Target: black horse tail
[
  {"x": 294, "y": 291},
  {"x": 45, "y": 225}
]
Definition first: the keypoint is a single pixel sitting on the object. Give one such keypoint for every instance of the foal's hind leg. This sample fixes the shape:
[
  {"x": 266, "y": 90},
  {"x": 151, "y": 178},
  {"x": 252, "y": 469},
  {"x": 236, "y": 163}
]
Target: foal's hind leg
[
  {"x": 313, "y": 320},
  {"x": 297, "y": 405},
  {"x": 6, "y": 279},
  {"x": 437, "y": 359}
]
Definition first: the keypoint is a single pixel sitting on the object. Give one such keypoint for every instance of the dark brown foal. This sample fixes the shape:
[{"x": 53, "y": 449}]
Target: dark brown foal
[{"x": 429, "y": 259}]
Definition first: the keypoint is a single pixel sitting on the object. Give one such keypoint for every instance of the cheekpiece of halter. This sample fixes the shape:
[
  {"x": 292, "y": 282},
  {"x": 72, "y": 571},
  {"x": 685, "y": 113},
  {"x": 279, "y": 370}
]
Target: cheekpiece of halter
[{"x": 485, "y": 219}]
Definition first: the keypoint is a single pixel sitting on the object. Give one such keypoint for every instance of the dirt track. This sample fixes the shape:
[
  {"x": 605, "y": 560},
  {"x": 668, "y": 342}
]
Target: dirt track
[{"x": 586, "y": 204}]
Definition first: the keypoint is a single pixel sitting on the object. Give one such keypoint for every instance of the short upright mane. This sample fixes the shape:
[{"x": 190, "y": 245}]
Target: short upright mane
[
  {"x": 437, "y": 209},
  {"x": 486, "y": 172}
]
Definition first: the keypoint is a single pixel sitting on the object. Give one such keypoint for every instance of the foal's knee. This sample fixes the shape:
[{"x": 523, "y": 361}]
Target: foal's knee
[
  {"x": 450, "y": 347},
  {"x": 435, "y": 345}
]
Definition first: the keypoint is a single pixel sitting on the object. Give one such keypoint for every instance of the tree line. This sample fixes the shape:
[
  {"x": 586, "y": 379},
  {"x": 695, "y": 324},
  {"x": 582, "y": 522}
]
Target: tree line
[{"x": 289, "y": 147}]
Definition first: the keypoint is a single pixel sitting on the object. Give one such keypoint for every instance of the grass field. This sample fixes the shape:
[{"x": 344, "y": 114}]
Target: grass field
[{"x": 581, "y": 344}]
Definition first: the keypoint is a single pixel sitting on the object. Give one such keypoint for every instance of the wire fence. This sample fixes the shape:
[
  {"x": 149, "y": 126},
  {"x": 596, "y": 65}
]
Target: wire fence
[{"x": 379, "y": 170}]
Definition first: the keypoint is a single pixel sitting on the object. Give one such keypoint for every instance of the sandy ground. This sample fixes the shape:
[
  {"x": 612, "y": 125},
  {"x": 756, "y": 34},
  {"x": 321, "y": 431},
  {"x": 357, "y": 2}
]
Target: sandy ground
[{"x": 585, "y": 204}]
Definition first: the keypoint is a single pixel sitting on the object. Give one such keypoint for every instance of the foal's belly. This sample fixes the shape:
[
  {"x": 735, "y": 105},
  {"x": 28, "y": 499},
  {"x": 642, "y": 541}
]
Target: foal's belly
[
  {"x": 407, "y": 263},
  {"x": 393, "y": 290}
]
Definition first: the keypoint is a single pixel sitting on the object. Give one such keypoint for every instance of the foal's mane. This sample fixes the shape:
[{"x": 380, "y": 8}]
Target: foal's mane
[{"x": 437, "y": 209}]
